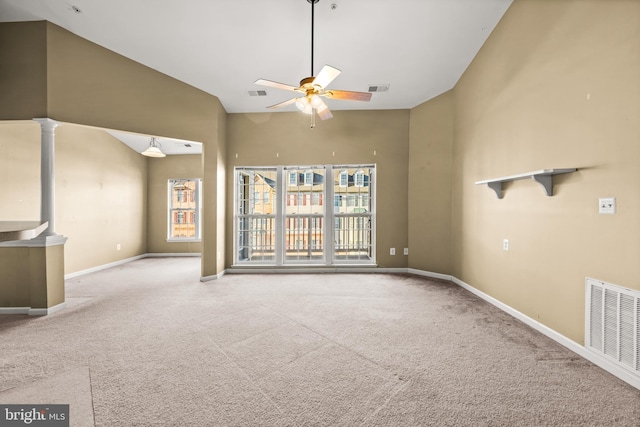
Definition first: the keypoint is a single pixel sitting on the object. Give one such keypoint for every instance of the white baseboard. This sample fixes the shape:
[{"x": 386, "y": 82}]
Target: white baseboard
[
  {"x": 45, "y": 311},
  {"x": 32, "y": 311},
  {"x": 14, "y": 310},
  {"x": 313, "y": 270},
  {"x": 214, "y": 277},
  {"x": 430, "y": 274},
  {"x": 103, "y": 267},
  {"x": 171, "y": 255},
  {"x": 582, "y": 351},
  {"x": 127, "y": 260}
]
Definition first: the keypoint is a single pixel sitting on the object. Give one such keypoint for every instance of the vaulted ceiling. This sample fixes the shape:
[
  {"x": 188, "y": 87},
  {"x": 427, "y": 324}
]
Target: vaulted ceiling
[{"x": 420, "y": 48}]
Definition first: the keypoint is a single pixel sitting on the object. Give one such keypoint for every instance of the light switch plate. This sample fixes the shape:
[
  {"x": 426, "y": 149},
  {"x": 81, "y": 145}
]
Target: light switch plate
[{"x": 607, "y": 205}]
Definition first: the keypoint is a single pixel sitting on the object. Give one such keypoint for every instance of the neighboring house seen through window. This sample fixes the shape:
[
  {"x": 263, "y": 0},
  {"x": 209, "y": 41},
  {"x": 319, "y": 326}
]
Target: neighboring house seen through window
[{"x": 184, "y": 210}]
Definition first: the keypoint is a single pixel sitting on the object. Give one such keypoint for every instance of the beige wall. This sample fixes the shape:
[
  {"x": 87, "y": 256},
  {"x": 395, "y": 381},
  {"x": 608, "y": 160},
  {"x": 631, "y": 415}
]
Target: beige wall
[
  {"x": 32, "y": 277},
  {"x": 23, "y": 70},
  {"x": 14, "y": 282},
  {"x": 351, "y": 137},
  {"x": 90, "y": 85},
  {"x": 430, "y": 164},
  {"x": 20, "y": 169},
  {"x": 100, "y": 188},
  {"x": 160, "y": 171},
  {"x": 556, "y": 85},
  {"x": 101, "y": 201}
]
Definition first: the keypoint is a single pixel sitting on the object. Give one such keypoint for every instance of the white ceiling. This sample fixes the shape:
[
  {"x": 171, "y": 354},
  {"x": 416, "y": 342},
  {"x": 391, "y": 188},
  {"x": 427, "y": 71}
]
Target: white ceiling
[
  {"x": 419, "y": 47},
  {"x": 169, "y": 146}
]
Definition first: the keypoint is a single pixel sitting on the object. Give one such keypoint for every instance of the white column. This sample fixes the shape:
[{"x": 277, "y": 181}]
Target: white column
[{"x": 47, "y": 173}]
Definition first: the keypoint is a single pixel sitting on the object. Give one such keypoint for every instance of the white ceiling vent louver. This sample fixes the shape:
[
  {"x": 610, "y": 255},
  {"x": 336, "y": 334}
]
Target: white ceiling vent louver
[
  {"x": 257, "y": 93},
  {"x": 613, "y": 323},
  {"x": 379, "y": 88}
]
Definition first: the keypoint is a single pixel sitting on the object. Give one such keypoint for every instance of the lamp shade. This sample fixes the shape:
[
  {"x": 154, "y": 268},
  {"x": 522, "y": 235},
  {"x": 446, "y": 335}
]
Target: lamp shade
[
  {"x": 304, "y": 105},
  {"x": 153, "y": 150}
]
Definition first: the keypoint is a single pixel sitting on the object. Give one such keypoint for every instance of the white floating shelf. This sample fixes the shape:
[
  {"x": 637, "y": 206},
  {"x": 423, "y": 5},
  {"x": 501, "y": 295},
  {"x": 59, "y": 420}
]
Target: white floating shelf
[{"x": 543, "y": 176}]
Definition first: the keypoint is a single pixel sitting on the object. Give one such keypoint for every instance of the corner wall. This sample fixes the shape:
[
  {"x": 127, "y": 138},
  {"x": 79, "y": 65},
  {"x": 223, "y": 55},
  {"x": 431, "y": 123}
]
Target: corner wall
[
  {"x": 160, "y": 171},
  {"x": 430, "y": 167},
  {"x": 76, "y": 81},
  {"x": 555, "y": 86}
]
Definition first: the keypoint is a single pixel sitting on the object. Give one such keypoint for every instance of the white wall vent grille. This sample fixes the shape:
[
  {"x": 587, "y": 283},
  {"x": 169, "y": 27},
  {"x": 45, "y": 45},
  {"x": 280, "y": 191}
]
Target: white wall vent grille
[{"x": 612, "y": 325}]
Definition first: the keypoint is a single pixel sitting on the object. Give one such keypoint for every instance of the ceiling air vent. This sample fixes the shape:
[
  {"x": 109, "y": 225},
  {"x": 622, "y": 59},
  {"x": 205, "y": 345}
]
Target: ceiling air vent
[
  {"x": 257, "y": 93},
  {"x": 379, "y": 88}
]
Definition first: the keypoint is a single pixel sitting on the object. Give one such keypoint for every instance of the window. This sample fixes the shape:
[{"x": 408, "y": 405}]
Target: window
[
  {"x": 255, "y": 232},
  {"x": 344, "y": 179},
  {"x": 292, "y": 229},
  {"x": 308, "y": 178},
  {"x": 184, "y": 210}
]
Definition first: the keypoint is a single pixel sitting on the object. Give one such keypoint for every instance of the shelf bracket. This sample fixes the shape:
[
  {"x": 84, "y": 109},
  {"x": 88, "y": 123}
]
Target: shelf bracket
[
  {"x": 497, "y": 187},
  {"x": 546, "y": 181}
]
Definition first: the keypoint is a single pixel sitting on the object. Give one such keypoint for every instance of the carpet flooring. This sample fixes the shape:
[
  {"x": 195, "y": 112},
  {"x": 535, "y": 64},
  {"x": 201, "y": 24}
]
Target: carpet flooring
[{"x": 147, "y": 344}]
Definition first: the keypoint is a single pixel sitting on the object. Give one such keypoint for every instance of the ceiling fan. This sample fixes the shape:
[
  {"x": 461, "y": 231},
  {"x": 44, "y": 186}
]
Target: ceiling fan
[{"x": 314, "y": 88}]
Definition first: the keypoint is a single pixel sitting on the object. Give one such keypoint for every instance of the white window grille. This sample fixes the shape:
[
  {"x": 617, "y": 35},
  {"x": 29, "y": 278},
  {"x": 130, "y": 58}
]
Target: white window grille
[{"x": 292, "y": 230}]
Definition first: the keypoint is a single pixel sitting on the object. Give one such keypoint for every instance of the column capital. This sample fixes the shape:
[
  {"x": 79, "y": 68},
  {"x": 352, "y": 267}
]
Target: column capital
[{"x": 47, "y": 124}]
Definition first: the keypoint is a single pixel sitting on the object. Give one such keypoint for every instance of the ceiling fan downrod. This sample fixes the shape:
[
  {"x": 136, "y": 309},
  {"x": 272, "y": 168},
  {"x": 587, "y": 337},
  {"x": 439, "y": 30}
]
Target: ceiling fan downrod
[{"x": 313, "y": 2}]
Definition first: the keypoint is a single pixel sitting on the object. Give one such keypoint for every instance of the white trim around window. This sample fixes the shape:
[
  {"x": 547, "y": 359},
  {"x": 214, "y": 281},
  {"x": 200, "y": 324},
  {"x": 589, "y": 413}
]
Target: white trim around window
[
  {"x": 302, "y": 224},
  {"x": 184, "y": 209}
]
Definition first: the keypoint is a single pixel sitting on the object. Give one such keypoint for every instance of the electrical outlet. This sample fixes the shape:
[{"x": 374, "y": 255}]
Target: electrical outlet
[
  {"x": 406, "y": 251},
  {"x": 392, "y": 251},
  {"x": 505, "y": 245},
  {"x": 118, "y": 247}
]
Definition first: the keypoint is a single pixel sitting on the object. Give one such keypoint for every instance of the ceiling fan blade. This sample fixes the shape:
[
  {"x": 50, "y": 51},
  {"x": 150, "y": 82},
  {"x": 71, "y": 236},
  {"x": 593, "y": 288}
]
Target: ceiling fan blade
[
  {"x": 323, "y": 110},
  {"x": 325, "y": 114},
  {"x": 282, "y": 104},
  {"x": 263, "y": 82},
  {"x": 349, "y": 95},
  {"x": 326, "y": 76}
]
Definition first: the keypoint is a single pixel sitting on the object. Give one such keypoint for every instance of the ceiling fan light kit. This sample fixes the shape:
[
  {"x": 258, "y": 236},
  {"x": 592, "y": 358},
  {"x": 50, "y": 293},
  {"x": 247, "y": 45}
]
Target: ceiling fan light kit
[{"x": 314, "y": 88}]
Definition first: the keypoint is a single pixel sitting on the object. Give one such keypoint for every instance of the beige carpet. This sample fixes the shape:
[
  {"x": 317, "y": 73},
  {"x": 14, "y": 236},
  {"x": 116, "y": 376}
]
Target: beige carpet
[{"x": 148, "y": 344}]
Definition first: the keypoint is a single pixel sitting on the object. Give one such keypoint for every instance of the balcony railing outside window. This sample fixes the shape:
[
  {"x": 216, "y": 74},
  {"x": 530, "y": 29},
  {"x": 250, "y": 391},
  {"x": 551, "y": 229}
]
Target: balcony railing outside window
[{"x": 292, "y": 228}]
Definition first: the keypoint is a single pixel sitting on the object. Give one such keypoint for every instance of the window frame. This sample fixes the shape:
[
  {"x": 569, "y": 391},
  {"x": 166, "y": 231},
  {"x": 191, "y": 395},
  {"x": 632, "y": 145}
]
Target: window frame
[
  {"x": 183, "y": 216},
  {"x": 289, "y": 199}
]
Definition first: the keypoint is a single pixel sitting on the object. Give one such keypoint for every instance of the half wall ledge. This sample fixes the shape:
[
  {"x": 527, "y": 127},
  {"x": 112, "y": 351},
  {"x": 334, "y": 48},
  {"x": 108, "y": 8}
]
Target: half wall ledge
[{"x": 21, "y": 230}]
